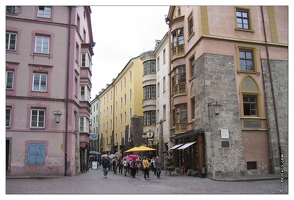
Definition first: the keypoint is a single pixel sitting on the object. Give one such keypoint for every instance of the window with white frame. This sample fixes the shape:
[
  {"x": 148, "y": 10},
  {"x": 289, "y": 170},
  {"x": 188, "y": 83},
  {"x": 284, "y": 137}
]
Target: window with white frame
[
  {"x": 84, "y": 93},
  {"x": 12, "y": 9},
  {"x": 38, "y": 118},
  {"x": 82, "y": 124},
  {"x": 11, "y": 41},
  {"x": 44, "y": 12},
  {"x": 86, "y": 60},
  {"x": 8, "y": 117},
  {"x": 9, "y": 80},
  {"x": 42, "y": 44},
  {"x": 39, "y": 82}
]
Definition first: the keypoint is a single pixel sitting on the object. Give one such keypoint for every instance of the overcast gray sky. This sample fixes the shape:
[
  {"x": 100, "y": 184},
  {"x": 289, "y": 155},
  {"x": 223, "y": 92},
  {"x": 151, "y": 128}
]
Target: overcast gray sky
[{"x": 121, "y": 33}]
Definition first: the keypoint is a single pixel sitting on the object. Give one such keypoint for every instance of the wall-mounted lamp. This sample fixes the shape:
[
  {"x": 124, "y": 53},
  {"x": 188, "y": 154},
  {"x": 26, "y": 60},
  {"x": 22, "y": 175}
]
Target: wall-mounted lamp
[
  {"x": 167, "y": 20},
  {"x": 57, "y": 114},
  {"x": 216, "y": 107}
]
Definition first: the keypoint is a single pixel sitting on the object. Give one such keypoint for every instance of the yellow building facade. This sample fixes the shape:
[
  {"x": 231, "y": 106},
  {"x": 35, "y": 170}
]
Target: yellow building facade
[{"x": 119, "y": 102}]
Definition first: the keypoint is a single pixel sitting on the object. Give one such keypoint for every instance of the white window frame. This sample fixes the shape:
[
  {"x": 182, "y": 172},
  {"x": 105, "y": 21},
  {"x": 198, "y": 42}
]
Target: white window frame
[
  {"x": 41, "y": 113},
  {"x": 82, "y": 124},
  {"x": 39, "y": 87},
  {"x": 42, "y": 44},
  {"x": 84, "y": 93},
  {"x": 44, "y": 13},
  {"x": 9, "y": 40},
  {"x": 9, "y": 80},
  {"x": 86, "y": 60}
]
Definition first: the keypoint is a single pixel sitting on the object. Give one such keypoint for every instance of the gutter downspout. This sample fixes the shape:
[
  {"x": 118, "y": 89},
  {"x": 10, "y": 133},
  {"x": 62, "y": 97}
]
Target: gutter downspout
[
  {"x": 272, "y": 89},
  {"x": 67, "y": 90}
]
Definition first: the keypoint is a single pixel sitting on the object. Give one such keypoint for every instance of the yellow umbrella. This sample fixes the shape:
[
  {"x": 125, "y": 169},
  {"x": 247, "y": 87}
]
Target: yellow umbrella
[
  {"x": 144, "y": 148},
  {"x": 131, "y": 149}
]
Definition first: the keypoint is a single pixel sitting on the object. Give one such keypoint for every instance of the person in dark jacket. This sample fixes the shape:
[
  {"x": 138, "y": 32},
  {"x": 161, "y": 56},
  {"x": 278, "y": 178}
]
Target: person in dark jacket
[
  {"x": 134, "y": 167},
  {"x": 105, "y": 164}
]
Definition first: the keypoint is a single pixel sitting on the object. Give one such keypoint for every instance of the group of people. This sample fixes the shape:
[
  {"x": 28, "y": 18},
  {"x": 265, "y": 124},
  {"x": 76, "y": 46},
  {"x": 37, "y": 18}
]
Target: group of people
[{"x": 132, "y": 167}]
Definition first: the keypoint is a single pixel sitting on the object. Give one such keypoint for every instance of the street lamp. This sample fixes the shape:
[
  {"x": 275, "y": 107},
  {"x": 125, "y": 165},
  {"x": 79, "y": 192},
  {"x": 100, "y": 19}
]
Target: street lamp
[
  {"x": 216, "y": 107},
  {"x": 57, "y": 114}
]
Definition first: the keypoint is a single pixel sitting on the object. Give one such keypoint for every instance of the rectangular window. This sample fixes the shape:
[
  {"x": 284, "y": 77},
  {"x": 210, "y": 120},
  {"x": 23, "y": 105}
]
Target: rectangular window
[
  {"x": 9, "y": 80},
  {"x": 180, "y": 80},
  {"x": 85, "y": 93},
  {"x": 191, "y": 26},
  {"x": 44, "y": 11},
  {"x": 149, "y": 67},
  {"x": 82, "y": 124},
  {"x": 78, "y": 23},
  {"x": 246, "y": 60},
  {"x": 10, "y": 41},
  {"x": 158, "y": 89},
  {"x": 178, "y": 37},
  {"x": 38, "y": 118},
  {"x": 130, "y": 94},
  {"x": 8, "y": 117},
  {"x": 36, "y": 154},
  {"x": 164, "y": 56},
  {"x": 12, "y": 9},
  {"x": 242, "y": 19},
  {"x": 250, "y": 105},
  {"x": 150, "y": 92},
  {"x": 192, "y": 66},
  {"x": 252, "y": 165},
  {"x": 86, "y": 60},
  {"x": 164, "y": 112},
  {"x": 42, "y": 44},
  {"x": 181, "y": 113},
  {"x": 39, "y": 82},
  {"x": 163, "y": 84},
  {"x": 157, "y": 63},
  {"x": 150, "y": 117}
]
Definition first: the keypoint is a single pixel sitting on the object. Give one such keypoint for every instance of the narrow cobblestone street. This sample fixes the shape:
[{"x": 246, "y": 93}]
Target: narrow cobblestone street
[{"x": 93, "y": 182}]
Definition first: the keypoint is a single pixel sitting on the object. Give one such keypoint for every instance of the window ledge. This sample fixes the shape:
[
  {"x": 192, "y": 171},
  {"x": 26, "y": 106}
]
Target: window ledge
[
  {"x": 247, "y": 72},
  {"x": 245, "y": 30}
]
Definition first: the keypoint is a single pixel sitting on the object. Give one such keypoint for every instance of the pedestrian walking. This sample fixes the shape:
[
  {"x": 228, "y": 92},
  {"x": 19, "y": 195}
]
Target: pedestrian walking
[
  {"x": 134, "y": 167},
  {"x": 106, "y": 165},
  {"x": 120, "y": 166},
  {"x": 145, "y": 164},
  {"x": 158, "y": 166},
  {"x": 125, "y": 166},
  {"x": 114, "y": 165},
  {"x": 153, "y": 165}
]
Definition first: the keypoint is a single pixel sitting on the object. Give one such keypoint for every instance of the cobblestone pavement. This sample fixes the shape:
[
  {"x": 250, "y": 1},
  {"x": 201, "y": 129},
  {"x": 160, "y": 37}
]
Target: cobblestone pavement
[{"x": 93, "y": 182}]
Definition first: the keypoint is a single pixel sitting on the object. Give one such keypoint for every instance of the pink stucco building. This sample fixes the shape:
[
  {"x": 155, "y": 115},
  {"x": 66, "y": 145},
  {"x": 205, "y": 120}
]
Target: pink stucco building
[{"x": 48, "y": 75}]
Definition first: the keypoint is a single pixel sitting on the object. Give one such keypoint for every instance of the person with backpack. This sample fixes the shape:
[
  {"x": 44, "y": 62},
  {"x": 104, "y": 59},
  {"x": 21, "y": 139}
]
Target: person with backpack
[{"x": 106, "y": 165}]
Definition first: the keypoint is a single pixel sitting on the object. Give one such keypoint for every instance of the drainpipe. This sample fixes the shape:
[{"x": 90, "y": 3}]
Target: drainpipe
[
  {"x": 67, "y": 90},
  {"x": 272, "y": 89}
]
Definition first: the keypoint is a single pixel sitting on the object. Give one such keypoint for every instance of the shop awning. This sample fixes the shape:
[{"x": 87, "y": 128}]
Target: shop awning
[
  {"x": 186, "y": 145},
  {"x": 176, "y": 146}
]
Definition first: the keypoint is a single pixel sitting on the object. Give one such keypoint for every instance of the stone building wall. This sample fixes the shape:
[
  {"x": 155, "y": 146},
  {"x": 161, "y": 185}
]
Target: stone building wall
[
  {"x": 279, "y": 72},
  {"x": 215, "y": 81}
]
